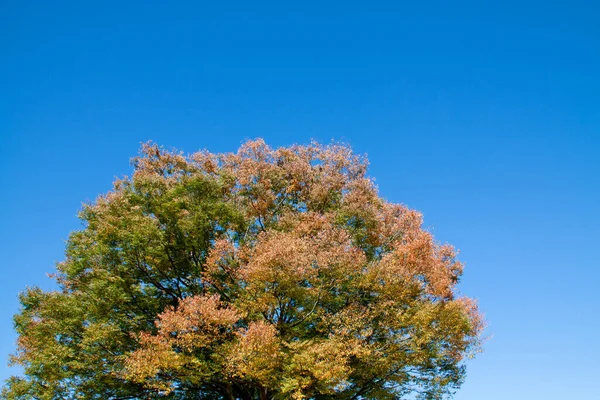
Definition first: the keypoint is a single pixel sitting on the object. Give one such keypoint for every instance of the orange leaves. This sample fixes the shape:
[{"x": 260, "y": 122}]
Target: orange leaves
[
  {"x": 418, "y": 259},
  {"x": 155, "y": 162},
  {"x": 311, "y": 176},
  {"x": 197, "y": 322},
  {"x": 276, "y": 272},
  {"x": 154, "y": 355},
  {"x": 312, "y": 245},
  {"x": 472, "y": 315},
  {"x": 200, "y": 322},
  {"x": 221, "y": 264},
  {"x": 287, "y": 273},
  {"x": 327, "y": 285},
  {"x": 276, "y": 255}
]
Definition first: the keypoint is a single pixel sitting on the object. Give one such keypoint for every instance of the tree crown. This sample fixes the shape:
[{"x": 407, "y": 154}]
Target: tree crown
[{"x": 262, "y": 274}]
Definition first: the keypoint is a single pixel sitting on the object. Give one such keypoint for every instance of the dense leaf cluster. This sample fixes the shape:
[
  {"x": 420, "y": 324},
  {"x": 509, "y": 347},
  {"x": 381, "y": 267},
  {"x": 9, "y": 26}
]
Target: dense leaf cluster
[{"x": 264, "y": 274}]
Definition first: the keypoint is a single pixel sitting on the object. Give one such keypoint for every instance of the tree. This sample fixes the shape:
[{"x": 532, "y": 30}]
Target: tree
[{"x": 265, "y": 274}]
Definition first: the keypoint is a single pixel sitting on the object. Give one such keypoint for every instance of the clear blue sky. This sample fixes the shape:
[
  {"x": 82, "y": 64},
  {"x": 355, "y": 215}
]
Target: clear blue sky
[{"x": 484, "y": 117}]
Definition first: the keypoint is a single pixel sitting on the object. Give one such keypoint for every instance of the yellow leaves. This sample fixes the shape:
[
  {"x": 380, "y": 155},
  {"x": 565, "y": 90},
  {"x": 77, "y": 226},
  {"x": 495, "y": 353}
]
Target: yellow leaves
[
  {"x": 154, "y": 355},
  {"x": 256, "y": 354},
  {"x": 322, "y": 285},
  {"x": 324, "y": 272},
  {"x": 317, "y": 366}
]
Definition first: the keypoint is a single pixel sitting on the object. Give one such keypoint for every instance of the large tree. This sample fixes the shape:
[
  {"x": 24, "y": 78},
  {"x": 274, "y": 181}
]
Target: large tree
[{"x": 264, "y": 274}]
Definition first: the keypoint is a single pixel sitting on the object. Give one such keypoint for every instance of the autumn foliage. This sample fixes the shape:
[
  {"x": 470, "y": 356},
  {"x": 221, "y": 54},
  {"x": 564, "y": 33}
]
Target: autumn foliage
[{"x": 264, "y": 274}]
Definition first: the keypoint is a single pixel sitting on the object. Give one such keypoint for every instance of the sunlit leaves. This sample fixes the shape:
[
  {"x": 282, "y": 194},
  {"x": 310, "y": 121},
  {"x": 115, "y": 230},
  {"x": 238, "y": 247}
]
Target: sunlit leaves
[{"x": 262, "y": 274}]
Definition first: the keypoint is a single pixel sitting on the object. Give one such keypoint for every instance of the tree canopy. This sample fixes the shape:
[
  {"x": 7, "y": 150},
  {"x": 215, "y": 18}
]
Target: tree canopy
[{"x": 262, "y": 274}]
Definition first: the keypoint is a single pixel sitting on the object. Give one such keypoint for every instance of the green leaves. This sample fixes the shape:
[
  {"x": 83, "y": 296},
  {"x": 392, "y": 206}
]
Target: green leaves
[{"x": 266, "y": 274}]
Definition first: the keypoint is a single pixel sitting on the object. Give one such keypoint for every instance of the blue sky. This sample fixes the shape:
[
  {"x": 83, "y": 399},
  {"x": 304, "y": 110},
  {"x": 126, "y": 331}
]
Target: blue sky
[{"x": 485, "y": 117}]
